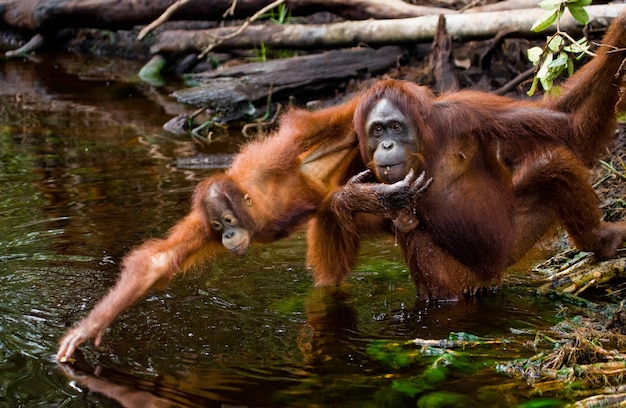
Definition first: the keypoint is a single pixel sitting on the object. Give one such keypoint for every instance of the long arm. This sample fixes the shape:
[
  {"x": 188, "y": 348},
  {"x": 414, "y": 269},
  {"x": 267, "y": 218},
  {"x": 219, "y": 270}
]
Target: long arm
[
  {"x": 592, "y": 94},
  {"x": 379, "y": 198},
  {"x": 356, "y": 208},
  {"x": 152, "y": 264}
]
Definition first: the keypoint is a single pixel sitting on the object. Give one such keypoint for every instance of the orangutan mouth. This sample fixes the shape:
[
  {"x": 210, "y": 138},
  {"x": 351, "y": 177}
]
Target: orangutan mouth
[{"x": 392, "y": 173}]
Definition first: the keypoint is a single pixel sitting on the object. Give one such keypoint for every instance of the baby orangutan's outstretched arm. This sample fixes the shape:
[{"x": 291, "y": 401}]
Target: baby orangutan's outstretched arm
[{"x": 152, "y": 264}]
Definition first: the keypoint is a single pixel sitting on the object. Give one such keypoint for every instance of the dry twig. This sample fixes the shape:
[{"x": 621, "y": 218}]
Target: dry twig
[
  {"x": 241, "y": 28},
  {"x": 162, "y": 18},
  {"x": 231, "y": 10},
  {"x": 261, "y": 125}
]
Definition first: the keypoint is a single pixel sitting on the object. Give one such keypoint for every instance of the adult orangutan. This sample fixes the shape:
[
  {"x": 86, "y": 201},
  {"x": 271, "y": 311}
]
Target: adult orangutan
[
  {"x": 503, "y": 172},
  {"x": 273, "y": 187}
]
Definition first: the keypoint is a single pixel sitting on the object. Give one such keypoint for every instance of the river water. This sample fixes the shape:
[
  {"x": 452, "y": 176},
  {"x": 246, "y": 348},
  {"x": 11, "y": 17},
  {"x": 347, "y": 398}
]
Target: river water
[{"x": 86, "y": 173}]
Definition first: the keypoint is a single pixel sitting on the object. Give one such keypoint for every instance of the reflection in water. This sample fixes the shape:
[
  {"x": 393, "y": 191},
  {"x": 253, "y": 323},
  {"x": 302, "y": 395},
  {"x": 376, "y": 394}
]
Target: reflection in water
[
  {"x": 87, "y": 173},
  {"x": 333, "y": 367}
]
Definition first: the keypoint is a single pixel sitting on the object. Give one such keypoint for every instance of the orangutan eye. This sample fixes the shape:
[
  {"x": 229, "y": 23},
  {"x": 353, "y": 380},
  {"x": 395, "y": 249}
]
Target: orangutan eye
[
  {"x": 377, "y": 130},
  {"x": 216, "y": 225},
  {"x": 396, "y": 126},
  {"x": 228, "y": 220}
]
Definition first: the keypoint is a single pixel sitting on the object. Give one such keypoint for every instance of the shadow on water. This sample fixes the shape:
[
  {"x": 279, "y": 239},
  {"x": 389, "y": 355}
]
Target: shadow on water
[{"x": 87, "y": 173}]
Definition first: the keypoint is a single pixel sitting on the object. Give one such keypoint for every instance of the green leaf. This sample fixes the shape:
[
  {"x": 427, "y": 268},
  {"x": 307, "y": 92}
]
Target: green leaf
[
  {"x": 578, "y": 3},
  {"x": 555, "y": 43},
  {"x": 550, "y": 4},
  {"x": 560, "y": 62},
  {"x": 534, "y": 54},
  {"x": 544, "y": 75},
  {"x": 546, "y": 82},
  {"x": 533, "y": 87},
  {"x": 546, "y": 21},
  {"x": 557, "y": 71},
  {"x": 579, "y": 46},
  {"x": 570, "y": 66},
  {"x": 579, "y": 13},
  {"x": 543, "y": 70}
]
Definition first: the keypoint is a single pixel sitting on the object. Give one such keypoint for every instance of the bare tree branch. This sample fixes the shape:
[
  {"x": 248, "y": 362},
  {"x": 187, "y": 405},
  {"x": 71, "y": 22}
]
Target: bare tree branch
[
  {"x": 162, "y": 18},
  {"x": 250, "y": 20}
]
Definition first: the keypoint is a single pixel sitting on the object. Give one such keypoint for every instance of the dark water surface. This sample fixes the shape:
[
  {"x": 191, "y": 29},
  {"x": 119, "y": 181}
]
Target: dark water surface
[{"x": 86, "y": 173}]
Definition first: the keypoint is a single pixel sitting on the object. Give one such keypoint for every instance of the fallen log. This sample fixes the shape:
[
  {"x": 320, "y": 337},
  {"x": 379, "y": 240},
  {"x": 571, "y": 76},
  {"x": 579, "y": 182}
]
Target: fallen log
[
  {"x": 225, "y": 88},
  {"x": 364, "y": 9},
  {"x": 49, "y": 16},
  {"x": 461, "y": 27},
  {"x": 53, "y": 15},
  {"x": 505, "y": 5}
]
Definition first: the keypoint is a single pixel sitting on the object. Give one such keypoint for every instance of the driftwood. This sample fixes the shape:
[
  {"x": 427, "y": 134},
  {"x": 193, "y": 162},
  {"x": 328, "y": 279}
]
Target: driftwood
[
  {"x": 461, "y": 27},
  {"x": 363, "y": 9},
  {"x": 506, "y": 5},
  {"x": 252, "y": 82},
  {"x": 441, "y": 60},
  {"x": 585, "y": 273},
  {"x": 54, "y": 15}
]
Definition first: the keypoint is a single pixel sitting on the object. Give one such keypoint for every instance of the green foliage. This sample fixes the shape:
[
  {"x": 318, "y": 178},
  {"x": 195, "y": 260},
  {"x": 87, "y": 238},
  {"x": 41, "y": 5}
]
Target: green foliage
[
  {"x": 444, "y": 399},
  {"x": 110, "y": 36},
  {"x": 399, "y": 355},
  {"x": 264, "y": 53},
  {"x": 620, "y": 172},
  {"x": 560, "y": 49},
  {"x": 440, "y": 364},
  {"x": 288, "y": 305},
  {"x": 11, "y": 159},
  {"x": 279, "y": 15},
  {"x": 543, "y": 403},
  {"x": 384, "y": 270},
  {"x": 390, "y": 353},
  {"x": 261, "y": 52}
]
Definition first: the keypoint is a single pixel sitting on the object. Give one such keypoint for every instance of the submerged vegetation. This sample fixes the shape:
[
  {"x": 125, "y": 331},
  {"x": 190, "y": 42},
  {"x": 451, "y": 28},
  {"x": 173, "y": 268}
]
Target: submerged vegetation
[{"x": 578, "y": 358}]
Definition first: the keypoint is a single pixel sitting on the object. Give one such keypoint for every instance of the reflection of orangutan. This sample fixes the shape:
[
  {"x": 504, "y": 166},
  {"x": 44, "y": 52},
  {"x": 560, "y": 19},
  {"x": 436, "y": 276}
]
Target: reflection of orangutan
[
  {"x": 272, "y": 188},
  {"x": 503, "y": 172}
]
